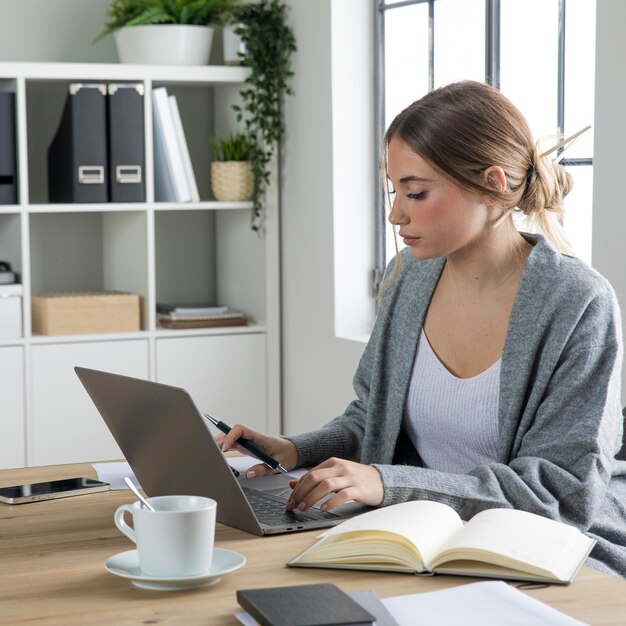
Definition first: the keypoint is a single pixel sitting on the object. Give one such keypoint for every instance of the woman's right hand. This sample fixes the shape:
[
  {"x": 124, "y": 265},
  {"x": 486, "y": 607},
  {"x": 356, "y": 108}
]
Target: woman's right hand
[{"x": 280, "y": 449}]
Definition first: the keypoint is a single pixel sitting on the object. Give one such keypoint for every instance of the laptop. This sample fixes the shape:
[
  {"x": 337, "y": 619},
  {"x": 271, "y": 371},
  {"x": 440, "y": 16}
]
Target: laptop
[{"x": 169, "y": 446}]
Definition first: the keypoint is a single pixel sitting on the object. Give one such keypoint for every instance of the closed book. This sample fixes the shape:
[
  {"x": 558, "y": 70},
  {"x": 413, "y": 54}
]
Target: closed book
[
  {"x": 77, "y": 157},
  {"x": 214, "y": 322},
  {"x": 8, "y": 162},
  {"x": 126, "y": 142},
  {"x": 425, "y": 537},
  {"x": 303, "y": 605},
  {"x": 170, "y": 180}
]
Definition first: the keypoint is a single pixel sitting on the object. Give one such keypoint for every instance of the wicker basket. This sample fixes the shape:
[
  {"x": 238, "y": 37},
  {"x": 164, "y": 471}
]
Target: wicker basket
[{"x": 232, "y": 181}]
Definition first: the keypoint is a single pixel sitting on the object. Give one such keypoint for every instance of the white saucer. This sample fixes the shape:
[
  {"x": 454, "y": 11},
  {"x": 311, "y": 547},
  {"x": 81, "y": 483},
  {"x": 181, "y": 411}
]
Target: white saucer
[{"x": 126, "y": 565}]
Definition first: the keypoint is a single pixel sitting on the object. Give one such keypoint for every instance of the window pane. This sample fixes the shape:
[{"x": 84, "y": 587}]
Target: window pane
[
  {"x": 406, "y": 57},
  {"x": 580, "y": 43},
  {"x": 459, "y": 41},
  {"x": 529, "y": 62},
  {"x": 577, "y": 219}
]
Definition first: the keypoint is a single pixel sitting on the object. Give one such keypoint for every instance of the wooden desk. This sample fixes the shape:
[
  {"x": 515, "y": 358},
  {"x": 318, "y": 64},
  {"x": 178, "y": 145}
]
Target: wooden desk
[{"x": 52, "y": 555}]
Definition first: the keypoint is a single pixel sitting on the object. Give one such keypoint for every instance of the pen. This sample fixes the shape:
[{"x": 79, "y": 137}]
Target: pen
[{"x": 248, "y": 445}]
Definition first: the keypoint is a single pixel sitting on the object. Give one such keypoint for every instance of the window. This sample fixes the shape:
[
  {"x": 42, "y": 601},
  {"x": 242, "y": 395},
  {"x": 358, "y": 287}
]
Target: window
[{"x": 539, "y": 53}]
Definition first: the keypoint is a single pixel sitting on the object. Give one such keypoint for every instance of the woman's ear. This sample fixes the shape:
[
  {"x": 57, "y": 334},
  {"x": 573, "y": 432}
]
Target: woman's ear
[{"x": 495, "y": 178}]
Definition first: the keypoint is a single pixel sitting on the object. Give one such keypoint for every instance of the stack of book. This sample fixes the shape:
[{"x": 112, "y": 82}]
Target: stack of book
[{"x": 198, "y": 316}]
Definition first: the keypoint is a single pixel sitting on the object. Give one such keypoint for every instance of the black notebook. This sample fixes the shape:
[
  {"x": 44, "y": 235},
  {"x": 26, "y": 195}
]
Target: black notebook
[{"x": 303, "y": 605}]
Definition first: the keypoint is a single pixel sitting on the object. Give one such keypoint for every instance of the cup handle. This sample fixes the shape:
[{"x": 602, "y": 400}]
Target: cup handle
[{"x": 120, "y": 522}]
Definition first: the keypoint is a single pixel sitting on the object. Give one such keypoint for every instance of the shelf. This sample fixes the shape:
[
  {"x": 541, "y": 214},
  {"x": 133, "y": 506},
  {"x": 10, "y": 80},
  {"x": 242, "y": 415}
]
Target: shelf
[
  {"x": 9, "y": 208},
  {"x": 65, "y": 339},
  {"x": 212, "y": 205},
  {"x": 182, "y": 75},
  {"x": 94, "y": 207},
  {"x": 161, "y": 333},
  {"x": 17, "y": 341},
  {"x": 105, "y": 207}
]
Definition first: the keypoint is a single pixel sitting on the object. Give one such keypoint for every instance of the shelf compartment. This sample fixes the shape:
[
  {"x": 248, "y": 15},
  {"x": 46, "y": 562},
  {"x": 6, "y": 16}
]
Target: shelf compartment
[
  {"x": 100, "y": 251},
  {"x": 210, "y": 257},
  {"x": 224, "y": 375}
]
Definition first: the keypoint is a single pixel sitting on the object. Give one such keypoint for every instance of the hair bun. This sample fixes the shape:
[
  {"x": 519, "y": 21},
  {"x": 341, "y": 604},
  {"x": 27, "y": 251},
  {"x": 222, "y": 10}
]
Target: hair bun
[{"x": 547, "y": 183}]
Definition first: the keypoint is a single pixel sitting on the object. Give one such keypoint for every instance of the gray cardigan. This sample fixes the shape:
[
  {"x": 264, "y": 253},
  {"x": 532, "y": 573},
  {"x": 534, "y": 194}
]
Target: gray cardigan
[{"x": 559, "y": 417}]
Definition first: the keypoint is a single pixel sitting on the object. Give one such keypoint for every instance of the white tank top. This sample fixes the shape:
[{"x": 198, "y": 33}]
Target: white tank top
[{"x": 452, "y": 422}]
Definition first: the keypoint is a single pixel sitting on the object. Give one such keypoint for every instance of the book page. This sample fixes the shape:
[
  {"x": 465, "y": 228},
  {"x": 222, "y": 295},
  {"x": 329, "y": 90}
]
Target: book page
[
  {"x": 520, "y": 540},
  {"x": 425, "y": 525}
]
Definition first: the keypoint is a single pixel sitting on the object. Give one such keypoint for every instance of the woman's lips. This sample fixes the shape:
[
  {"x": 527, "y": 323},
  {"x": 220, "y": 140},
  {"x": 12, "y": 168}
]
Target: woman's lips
[{"x": 409, "y": 240}]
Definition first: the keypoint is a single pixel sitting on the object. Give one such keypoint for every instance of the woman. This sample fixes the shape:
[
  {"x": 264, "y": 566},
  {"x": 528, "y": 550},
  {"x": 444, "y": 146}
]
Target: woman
[{"x": 492, "y": 376}]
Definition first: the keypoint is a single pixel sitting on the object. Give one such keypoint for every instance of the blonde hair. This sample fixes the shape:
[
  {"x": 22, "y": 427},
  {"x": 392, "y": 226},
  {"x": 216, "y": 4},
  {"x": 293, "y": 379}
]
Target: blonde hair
[{"x": 465, "y": 128}]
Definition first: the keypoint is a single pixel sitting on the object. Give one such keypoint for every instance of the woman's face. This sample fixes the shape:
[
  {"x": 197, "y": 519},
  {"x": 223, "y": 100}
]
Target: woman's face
[{"x": 435, "y": 217}]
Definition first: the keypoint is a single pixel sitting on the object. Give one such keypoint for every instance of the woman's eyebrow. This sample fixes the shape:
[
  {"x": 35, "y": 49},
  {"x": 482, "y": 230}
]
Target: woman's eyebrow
[{"x": 414, "y": 178}]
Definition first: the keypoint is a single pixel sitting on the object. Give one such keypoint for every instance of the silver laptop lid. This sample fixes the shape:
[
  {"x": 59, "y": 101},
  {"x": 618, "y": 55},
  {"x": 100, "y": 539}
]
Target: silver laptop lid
[{"x": 167, "y": 442}]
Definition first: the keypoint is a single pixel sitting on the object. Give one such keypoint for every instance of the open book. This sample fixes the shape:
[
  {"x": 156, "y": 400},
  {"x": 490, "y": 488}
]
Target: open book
[{"x": 426, "y": 537}]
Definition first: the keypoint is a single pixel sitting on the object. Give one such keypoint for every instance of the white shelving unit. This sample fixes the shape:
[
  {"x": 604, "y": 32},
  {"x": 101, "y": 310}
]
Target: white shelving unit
[{"x": 166, "y": 252}]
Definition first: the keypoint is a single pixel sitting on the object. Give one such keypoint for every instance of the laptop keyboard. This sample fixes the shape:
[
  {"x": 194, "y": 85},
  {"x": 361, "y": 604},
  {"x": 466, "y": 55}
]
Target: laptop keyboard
[{"x": 270, "y": 509}]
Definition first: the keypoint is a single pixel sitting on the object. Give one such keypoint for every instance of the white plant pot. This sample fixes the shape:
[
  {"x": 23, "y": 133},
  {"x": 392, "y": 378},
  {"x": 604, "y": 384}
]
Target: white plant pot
[
  {"x": 232, "y": 45},
  {"x": 164, "y": 44}
]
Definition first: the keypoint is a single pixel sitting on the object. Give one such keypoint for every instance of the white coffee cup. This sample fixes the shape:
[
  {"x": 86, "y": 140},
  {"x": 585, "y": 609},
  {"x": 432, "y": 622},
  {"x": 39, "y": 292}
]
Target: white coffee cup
[{"x": 176, "y": 539}]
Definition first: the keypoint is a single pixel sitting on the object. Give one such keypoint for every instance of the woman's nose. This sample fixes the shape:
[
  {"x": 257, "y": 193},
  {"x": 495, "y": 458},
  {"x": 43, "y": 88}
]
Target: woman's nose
[{"x": 396, "y": 215}]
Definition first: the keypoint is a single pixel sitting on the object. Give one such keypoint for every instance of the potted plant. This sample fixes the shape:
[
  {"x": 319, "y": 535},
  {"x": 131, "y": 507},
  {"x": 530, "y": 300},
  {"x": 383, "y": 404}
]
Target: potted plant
[
  {"x": 268, "y": 43},
  {"x": 167, "y": 32},
  {"x": 232, "y": 176}
]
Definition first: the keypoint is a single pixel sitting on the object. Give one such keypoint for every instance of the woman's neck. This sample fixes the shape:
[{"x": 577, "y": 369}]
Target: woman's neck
[{"x": 491, "y": 262}]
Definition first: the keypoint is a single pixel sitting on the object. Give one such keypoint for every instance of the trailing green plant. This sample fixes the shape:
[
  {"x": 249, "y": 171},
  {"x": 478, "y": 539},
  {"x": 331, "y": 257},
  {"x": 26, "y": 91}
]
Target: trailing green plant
[
  {"x": 123, "y": 13},
  {"x": 268, "y": 45},
  {"x": 234, "y": 148}
]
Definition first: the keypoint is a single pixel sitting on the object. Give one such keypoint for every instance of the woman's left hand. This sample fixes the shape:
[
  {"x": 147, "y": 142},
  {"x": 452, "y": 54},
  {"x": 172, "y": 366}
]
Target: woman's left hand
[{"x": 347, "y": 479}]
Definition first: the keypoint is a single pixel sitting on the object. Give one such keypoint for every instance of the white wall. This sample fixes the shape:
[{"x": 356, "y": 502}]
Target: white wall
[
  {"x": 608, "y": 253},
  {"x": 317, "y": 367},
  {"x": 54, "y": 30}
]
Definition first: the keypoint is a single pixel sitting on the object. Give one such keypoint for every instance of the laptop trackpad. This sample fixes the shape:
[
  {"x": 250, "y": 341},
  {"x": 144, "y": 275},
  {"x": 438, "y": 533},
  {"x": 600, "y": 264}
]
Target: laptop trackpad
[{"x": 276, "y": 484}]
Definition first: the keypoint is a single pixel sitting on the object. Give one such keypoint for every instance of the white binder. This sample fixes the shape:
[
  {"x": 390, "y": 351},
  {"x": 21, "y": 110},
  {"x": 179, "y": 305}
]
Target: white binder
[{"x": 170, "y": 180}]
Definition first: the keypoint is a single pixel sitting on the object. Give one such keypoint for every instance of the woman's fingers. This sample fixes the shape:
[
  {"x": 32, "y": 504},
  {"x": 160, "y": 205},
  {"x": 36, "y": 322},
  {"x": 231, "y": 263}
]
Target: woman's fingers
[
  {"x": 280, "y": 449},
  {"x": 259, "y": 470},
  {"x": 236, "y": 432},
  {"x": 326, "y": 486},
  {"x": 346, "y": 479}
]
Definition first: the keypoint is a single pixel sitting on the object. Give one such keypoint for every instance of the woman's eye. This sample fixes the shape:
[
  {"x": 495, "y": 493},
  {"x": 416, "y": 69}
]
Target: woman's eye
[{"x": 416, "y": 196}]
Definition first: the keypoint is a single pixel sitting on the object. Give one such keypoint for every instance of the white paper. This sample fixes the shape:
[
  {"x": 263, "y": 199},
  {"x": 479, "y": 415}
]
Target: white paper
[
  {"x": 113, "y": 473},
  {"x": 246, "y": 619},
  {"x": 491, "y": 603}
]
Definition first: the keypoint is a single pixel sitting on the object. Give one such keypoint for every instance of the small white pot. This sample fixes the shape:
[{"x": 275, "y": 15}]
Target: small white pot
[
  {"x": 164, "y": 44},
  {"x": 232, "y": 45}
]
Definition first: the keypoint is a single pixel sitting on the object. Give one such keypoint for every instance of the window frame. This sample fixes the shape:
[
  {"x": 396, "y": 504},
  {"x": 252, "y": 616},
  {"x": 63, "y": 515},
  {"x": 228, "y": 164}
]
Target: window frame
[{"x": 492, "y": 77}]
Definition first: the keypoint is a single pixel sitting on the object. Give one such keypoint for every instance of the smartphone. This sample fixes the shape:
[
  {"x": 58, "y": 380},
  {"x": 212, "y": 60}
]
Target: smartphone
[{"x": 19, "y": 494}]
